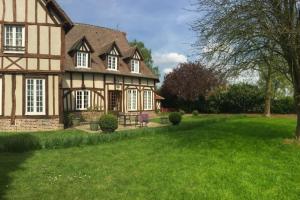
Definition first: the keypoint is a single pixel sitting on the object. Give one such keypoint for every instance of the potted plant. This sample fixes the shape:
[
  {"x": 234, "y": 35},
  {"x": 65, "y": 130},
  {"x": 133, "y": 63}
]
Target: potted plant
[
  {"x": 75, "y": 120},
  {"x": 94, "y": 123}
]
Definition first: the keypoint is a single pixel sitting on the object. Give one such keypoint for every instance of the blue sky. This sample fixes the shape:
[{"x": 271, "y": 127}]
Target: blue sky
[{"x": 163, "y": 25}]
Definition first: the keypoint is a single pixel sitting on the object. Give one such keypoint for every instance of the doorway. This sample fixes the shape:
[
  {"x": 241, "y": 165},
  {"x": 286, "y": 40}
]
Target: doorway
[{"x": 115, "y": 101}]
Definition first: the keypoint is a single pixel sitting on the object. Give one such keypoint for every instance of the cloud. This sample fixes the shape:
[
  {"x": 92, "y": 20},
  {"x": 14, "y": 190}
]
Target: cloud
[
  {"x": 167, "y": 70},
  {"x": 169, "y": 59}
]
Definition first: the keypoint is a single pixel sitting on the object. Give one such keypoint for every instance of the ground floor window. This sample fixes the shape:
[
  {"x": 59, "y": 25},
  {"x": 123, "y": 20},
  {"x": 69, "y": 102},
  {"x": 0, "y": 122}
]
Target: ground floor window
[
  {"x": 132, "y": 100},
  {"x": 35, "y": 97},
  {"x": 82, "y": 99},
  {"x": 148, "y": 100}
]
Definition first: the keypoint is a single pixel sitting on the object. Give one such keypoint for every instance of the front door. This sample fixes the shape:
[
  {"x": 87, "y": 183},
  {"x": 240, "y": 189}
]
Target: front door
[{"x": 114, "y": 101}]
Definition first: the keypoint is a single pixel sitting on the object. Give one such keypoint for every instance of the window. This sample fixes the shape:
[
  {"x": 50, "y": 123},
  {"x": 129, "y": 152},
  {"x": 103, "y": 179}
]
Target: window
[
  {"x": 132, "y": 100},
  {"x": 135, "y": 66},
  {"x": 113, "y": 62},
  {"x": 148, "y": 100},
  {"x": 14, "y": 38},
  {"x": 35, "y": 97},
  {"x": 82, "y": 60},
  {"x": 82, "y": 99}
]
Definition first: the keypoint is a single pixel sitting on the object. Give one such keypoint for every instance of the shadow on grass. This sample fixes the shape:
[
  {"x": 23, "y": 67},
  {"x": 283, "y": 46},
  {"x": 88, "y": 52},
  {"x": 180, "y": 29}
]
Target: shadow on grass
[{"x": 10, "y": 162}]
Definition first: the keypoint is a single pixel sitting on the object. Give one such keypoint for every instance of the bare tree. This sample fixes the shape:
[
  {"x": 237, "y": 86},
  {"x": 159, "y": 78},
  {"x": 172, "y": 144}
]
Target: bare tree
[{"x": 235, "y": 33}]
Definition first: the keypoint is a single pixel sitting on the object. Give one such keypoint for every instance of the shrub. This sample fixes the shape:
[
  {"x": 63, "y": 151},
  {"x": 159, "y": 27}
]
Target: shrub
[
  {"x": 175, "y": 118},
  {"x": 19, "y": 143},
  {"x": 195, "y": 112},
  {"x": 182, "y": 112},
  {"x": 108, "y": 123},
  {"x": 284, "y": 105},
  {"x": 68, "y": 117}
]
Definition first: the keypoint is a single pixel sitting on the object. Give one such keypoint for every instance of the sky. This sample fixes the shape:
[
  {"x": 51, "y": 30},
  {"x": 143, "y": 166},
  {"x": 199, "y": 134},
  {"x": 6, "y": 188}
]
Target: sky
[{"x": 163, "y": 25}]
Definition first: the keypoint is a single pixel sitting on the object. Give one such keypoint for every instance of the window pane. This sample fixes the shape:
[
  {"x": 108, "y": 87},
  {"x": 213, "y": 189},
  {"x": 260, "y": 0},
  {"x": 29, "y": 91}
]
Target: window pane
[
  {"x": 19, "y": 36},
  {"x": 86, "y": 99},
  {"x": 9, "y": 36},
  {"x": 30, "y": 99},
  {"x": 79, "y": 100}
]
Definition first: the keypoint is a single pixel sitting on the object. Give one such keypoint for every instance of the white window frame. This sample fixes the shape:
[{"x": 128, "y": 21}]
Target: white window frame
[
  {"x": 132, "y": 99},
  {"x": 112, "y": 62},
  {"x": 148, "y": 100},
  {"x": 12, "y": 42},
  {"x": 82, "y": 59},
  {"x": 34, "y": 96},
  {"x": 135, "y": 66},
  {"x": 80, "y": 103}
]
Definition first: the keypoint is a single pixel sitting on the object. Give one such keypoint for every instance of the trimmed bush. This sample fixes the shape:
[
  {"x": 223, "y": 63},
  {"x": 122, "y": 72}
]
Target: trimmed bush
[
  {"x": 108, "y": 123},
  {"x": 175, "y": 118},
  {"x": 182, "y": 112},
  {"x": 195, "y": 113}
]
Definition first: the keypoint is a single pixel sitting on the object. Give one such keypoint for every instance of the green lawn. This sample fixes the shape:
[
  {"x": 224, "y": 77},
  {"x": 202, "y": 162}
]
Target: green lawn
[{"x": 214, "y": 157}]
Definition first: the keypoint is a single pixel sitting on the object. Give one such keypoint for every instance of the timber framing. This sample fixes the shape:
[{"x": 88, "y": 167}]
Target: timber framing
[{"x": 50, "y": 43}]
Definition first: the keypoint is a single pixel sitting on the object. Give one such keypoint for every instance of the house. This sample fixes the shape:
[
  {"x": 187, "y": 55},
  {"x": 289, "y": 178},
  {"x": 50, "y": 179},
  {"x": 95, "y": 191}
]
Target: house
[{"x": 50, "y": 66}]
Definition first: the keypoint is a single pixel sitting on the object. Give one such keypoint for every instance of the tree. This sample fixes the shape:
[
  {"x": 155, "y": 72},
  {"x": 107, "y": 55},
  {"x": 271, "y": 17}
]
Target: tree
[
  {"x": 237, "y": 32},
  {"x": 189, "y": 81},
  {"x": 147, "y": 54}
]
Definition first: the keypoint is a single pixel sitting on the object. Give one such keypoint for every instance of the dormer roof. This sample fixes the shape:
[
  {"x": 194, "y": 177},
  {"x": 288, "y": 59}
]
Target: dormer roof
[
  {"x": 131, "y": 53},
  {"x": 108, "y": 48},
  {"x": 82, "y": 45}
]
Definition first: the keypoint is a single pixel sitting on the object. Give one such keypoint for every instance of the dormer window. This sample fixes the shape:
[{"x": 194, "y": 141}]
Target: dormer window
[
  {"x": 82, "y": 59},
  {"x": 111, "y": 55},
  {"x": 82, "y": 53},
  {"x": 112, "y": 62},
  {"x": 14, "y": 39},
  {"x": 133, "y": 58},
  {"x": 135, "y": 66}
]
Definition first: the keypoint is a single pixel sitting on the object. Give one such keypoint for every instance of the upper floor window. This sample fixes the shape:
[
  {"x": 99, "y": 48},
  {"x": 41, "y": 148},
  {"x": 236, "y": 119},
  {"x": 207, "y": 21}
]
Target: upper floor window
[
  {"x": 14, "y": 38},
  {"x": 135, "y": 66},
  {"x": 82, "y": 59},
  {"x": 112, "y": 62}
]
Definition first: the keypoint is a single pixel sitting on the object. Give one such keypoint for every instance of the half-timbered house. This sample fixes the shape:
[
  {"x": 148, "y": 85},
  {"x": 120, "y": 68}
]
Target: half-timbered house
[{"x": 49, "y": 66}]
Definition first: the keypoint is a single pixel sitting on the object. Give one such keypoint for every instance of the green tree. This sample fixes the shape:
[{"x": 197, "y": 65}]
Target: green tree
[
  {"x": 147, "y": 54},
  {"x": 234, "y": 32}
]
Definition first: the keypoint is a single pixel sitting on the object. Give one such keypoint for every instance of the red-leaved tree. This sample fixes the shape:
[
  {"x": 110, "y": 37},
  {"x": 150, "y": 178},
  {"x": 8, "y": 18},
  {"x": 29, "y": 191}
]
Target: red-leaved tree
[{"x": 190, "y": 80}]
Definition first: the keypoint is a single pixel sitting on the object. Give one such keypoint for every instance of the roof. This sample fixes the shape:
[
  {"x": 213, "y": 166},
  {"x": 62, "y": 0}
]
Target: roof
[
  {"x": 77, "y": 45},
  {"x": 157, "y": 97},
  {"x": 130, "y": 53},
  {"x": 101, "y": 39},
  {"x": 108, "y": 47},
  {"x": 60, "y": 12}
]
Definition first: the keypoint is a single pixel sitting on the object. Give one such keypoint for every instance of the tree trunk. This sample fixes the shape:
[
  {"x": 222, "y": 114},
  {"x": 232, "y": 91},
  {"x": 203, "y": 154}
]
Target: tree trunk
[
  {"x": 297, "y": 104},
  {"x": 268, "y": 94}
]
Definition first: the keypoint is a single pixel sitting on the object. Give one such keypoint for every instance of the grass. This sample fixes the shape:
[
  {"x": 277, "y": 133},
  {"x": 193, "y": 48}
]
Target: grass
[{"x": 216, "y": 157}]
